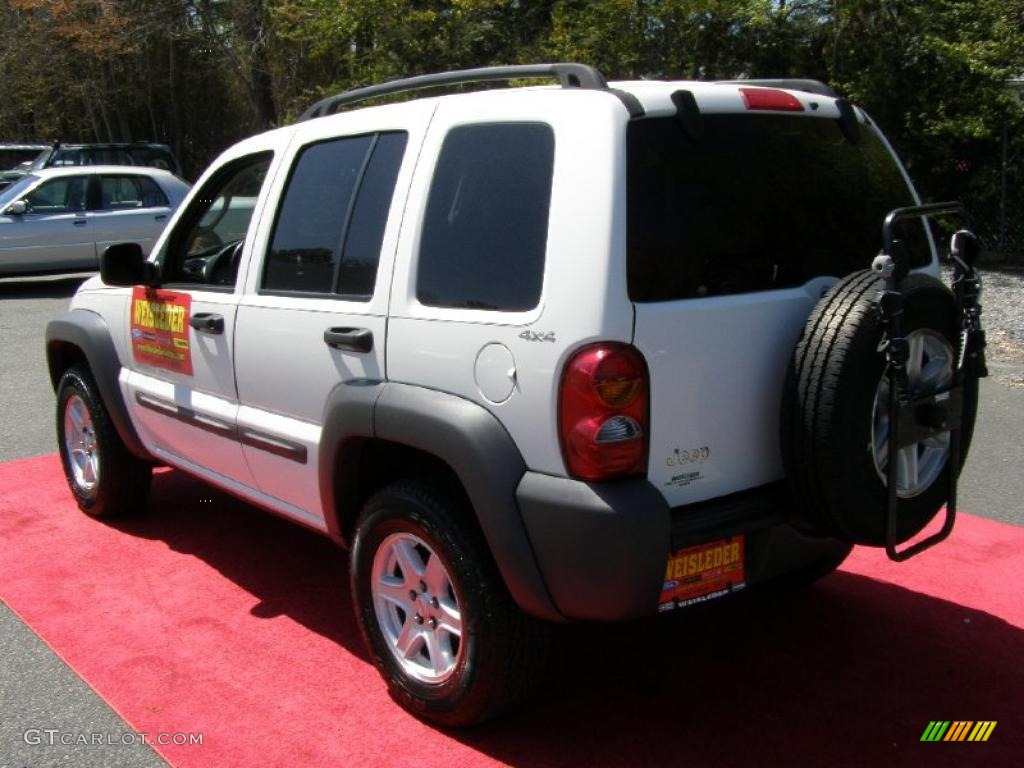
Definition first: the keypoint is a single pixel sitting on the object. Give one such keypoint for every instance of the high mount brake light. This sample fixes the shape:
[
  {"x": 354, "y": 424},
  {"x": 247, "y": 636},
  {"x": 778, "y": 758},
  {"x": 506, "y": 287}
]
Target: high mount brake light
[
  {"x": 603, "y": 412},
  {"x": 770, "y": 99}
]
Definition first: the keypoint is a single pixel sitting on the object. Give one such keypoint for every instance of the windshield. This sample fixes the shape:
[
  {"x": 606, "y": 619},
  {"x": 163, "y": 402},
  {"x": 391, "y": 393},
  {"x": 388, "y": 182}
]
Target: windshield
[
  {"x": 16, "y": 190},
  {"x": 760, "y": 202}
]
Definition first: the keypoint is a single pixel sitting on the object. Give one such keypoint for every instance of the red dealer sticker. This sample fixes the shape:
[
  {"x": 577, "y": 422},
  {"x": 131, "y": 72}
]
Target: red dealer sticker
[
  {"x": 160, "y": 329},
  {"x": 703, "y": 572}
]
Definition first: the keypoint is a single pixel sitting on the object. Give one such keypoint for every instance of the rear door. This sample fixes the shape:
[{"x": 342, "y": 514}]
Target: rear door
[
  {"x": 732, "y": 239},
  {"x": 127, "y": 208},
  {"x": 314, "y": 313}
]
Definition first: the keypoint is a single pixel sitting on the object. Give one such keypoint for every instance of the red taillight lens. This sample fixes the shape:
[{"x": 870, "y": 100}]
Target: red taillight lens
[
  {"x": 769, "y": 98},
  {"x": 602, "y": 412}
]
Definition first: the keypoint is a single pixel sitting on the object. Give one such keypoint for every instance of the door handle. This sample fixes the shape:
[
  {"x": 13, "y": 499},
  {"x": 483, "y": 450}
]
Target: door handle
[
  {"x": 79, "y": 222},
  {"x": 351, "y": 339},
  {"x": 207, "y": 322},
  {"x": 160, "y": 217}
]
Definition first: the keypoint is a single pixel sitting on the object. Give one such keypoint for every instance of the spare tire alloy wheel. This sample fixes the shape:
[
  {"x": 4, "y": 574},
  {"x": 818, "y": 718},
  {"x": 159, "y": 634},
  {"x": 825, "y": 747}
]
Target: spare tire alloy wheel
[
  {"x": 417, "y": 608},
  {"x": 929, "y": 370}
]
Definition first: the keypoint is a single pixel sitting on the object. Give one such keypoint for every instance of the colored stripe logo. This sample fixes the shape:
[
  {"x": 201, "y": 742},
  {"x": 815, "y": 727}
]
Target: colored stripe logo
[{"x": 958, "y": 730}]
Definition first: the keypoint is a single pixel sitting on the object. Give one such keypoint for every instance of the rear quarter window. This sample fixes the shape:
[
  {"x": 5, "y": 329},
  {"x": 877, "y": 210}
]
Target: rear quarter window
[
  {"x": 485, "y": 231},
  {"x": 760, "y": 202}
]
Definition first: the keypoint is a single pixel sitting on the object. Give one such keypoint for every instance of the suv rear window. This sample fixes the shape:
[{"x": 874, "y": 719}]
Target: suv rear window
[
  {"x": 486, "y": 226},
  {"x": 760, "y": 202}
]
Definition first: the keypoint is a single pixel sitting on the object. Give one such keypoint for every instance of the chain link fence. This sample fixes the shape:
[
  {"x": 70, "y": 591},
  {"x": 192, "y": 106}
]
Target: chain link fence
[{"x": 1001, "y": 231}]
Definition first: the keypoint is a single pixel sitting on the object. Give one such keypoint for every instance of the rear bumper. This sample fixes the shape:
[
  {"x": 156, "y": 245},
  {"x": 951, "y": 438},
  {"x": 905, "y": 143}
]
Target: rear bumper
[{"x": 602, "y": 548}]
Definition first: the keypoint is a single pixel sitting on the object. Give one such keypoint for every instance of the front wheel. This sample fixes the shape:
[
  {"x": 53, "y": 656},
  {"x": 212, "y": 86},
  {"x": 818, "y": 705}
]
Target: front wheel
[
  {"x": 442, "y": 629},
  {"x": 105, "y": 478}
]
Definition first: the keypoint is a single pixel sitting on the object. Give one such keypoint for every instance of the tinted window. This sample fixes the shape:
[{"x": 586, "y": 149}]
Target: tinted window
[
  {"x": 206, "y": 244},
  {"x": 11, "y": 158},
  {"x": 358, "y": 272},
  {"x": 306, "y": 245},
  {"x": 118, "y": 193},
  {"x": 92, "y": 156},
  {"x": 63, "y": 195},
  {"x": 155, "y": 157},
  {"x": 486, "y": 224},
  {"x": 761, "y": 202}
]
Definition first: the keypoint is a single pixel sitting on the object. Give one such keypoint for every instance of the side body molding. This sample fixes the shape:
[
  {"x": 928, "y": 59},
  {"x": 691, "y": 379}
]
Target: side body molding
[
  {"x": 464, "y": 435},
  {"x": 89, "y": 333}
]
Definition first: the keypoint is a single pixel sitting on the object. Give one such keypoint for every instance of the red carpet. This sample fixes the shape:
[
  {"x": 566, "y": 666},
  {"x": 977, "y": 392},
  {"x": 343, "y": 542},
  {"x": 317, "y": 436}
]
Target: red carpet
[{"x": 207, "y": 616}]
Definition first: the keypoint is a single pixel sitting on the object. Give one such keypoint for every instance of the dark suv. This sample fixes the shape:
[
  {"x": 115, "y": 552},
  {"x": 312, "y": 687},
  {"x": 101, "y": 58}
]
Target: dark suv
[
  {"x": 153, "y": 155},
  {"x": 15, "y": 160}
]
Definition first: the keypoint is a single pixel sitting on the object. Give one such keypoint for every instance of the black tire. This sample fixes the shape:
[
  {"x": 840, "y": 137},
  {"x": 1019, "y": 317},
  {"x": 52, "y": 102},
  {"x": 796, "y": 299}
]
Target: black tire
[
  {"x": 828, "y": 406},
  {"x": 121, "y": 483},
  {"x": 502, "y": 653}
]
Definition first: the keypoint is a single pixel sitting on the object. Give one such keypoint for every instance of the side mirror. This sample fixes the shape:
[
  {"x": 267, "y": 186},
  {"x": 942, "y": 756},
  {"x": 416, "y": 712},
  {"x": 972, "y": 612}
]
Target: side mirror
[
  {"x": 124, "y": 264},
  {"x": 17, "y": 208}
]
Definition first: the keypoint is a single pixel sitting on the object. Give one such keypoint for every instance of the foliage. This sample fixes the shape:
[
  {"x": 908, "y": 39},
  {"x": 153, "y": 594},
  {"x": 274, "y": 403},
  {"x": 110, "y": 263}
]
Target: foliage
[{"x": 199, "y": 74}]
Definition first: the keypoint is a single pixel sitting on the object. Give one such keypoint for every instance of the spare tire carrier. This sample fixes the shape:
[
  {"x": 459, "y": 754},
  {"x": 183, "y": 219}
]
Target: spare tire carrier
[{"x": 911, "y": 421}]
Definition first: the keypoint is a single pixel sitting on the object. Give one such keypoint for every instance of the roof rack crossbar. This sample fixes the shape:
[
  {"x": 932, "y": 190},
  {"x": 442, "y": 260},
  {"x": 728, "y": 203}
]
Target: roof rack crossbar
[
  {"x": 570, "y": 75},
  {"x": 793, "y": 84}
]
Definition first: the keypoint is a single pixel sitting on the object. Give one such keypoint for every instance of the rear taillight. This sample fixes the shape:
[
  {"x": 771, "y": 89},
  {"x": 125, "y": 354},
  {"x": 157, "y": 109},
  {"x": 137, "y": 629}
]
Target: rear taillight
[
  {"x": 602, "y": 412},
  {"x": 769, "y": 98}
]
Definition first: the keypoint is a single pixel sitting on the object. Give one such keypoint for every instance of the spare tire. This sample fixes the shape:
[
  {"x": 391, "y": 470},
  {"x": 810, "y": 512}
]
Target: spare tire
[{"x": 835, "y": 419}]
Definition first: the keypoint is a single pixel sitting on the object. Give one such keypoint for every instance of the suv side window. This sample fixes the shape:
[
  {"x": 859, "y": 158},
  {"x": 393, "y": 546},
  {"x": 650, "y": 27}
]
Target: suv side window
[
  {"x": 119, "y": 193},
  {"x": 330, "y": 225},
  {"x": 206, "y": 245},
  {"x": 486, "y": 226}
]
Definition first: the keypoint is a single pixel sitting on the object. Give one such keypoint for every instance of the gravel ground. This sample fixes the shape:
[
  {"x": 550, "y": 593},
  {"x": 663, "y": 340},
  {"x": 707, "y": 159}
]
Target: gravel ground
[{"x": 1002, "y": 300}]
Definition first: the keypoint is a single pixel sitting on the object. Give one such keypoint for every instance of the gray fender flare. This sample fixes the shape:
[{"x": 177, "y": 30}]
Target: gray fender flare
[
  {"x": 88, "y": 332},
  {"x": 464, "y": 435}
]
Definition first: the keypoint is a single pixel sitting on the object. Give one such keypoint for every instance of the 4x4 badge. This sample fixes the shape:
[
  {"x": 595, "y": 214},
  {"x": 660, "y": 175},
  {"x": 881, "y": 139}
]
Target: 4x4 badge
[{"x": 537, "y": 336}]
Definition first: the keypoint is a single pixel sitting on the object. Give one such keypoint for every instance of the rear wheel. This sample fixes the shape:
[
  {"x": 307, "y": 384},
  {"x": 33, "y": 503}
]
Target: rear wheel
[
  {"x": 835, "y": 429},
  {"x": 443, "y": 631},
  {"x": 105, "y": 478}
]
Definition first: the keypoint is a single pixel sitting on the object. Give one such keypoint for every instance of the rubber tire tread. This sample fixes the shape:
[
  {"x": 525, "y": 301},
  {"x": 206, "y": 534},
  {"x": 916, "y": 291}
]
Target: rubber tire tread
[
  {"x": 810, "y": 357},
  {"x": 509, "y": 654},
  {"x": 836, "y": 495},
  {"x": 124, "y": 479}
]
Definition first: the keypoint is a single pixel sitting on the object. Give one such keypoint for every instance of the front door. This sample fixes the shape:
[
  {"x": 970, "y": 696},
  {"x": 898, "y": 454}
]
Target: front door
[
  {"x": 181, "y": 382},
  {"x": 53, "y": 233}
]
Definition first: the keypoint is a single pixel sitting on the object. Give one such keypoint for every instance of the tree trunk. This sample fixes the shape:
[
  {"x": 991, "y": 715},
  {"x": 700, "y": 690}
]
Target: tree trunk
[
  {"x": 91, "y": 113},
  {"x": 172, "y": 92},
  {"x": 261, "y": 94}
]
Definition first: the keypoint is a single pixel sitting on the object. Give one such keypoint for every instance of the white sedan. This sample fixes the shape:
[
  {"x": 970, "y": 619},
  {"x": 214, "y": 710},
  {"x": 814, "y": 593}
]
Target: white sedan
[{"x": 62, "y": 219}]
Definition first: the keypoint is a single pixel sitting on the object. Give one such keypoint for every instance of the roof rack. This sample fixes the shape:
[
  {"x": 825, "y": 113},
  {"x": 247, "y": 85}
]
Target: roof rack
[
  {"x": 570, "y": 75},
  {"x": 793, "y": 84}
]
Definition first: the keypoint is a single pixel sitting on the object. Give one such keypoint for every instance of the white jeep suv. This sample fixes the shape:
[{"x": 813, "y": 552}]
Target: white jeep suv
[{"x": 578, "y": 352}]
